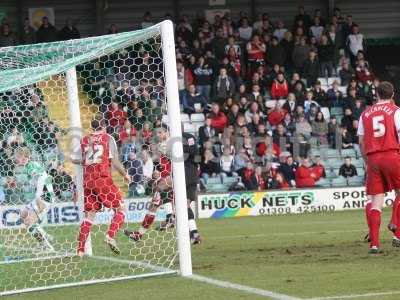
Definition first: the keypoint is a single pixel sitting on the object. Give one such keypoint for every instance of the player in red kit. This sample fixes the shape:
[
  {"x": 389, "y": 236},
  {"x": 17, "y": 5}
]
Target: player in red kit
[
  {"x": 98, "y": 154},
  {"x": 378, "y": 132},
  {"x": 161, "y": 186}
]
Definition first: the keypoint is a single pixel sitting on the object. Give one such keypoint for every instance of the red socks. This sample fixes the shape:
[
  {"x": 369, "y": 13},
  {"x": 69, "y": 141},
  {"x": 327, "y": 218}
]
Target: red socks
[
  {"x": 367, "y": 212},
  {"x": 148, "y": 220},
  {"x": 394, "y": 218},
  {"x": 116, "y": 223},
  {"x": 83, "y": 234},
  {"x": 374, "y": 223}
]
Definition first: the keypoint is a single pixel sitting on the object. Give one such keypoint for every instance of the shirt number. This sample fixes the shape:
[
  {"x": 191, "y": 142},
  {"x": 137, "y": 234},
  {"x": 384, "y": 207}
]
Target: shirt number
[
  {"x": 93, "y": 155},
  {"x": 378, "y": 126}
]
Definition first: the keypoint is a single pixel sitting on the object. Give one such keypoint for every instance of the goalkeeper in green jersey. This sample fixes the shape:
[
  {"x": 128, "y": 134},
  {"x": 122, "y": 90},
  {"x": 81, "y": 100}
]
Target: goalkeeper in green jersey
[{"x": 43, "y": 197}]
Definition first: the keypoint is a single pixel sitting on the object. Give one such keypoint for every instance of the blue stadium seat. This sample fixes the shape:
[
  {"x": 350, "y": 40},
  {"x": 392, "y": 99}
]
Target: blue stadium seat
[
  {"x": 323, "y": 182},
  {"x": 339, "y": 182},
  {"x": 355, "y": 181}
]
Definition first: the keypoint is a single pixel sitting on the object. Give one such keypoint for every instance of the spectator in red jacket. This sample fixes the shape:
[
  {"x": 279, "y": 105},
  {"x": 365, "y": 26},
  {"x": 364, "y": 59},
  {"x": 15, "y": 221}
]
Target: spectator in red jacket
[
  {"x": 267, "y": 149},
  {"x": 126, "y": 131},
  {"x": 218, "y": 118},
  {"x": 304, "y": 175},
  {"x": 116, "y": 117},
  {"x": 280, "y": 87},
  {"x": 276, "y": 115},
  {"x": 318, "y": 168}
]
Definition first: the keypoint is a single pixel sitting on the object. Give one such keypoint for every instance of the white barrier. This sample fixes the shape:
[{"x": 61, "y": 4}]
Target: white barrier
[
  {"x": 238, "y": 204},
  {"x": 67, "y": 213}
]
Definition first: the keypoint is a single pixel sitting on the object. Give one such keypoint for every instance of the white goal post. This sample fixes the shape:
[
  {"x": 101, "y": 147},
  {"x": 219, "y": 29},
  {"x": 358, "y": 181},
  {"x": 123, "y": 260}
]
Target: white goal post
[{"x": 59, "y": 74}]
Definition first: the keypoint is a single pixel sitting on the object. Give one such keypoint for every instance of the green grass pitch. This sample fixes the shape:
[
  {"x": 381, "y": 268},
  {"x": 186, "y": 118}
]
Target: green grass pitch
[{"x": 304, "y": 256}]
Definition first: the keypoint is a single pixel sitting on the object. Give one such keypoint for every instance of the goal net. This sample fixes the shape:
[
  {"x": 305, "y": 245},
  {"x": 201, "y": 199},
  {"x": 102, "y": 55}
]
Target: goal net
[{"x": 49, "y": 95}]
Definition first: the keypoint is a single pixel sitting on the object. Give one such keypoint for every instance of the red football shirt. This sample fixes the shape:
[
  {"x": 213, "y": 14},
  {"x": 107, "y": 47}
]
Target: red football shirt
[
  {"x": 380, "y": 125},
  {"x": 97, "y": 150}
]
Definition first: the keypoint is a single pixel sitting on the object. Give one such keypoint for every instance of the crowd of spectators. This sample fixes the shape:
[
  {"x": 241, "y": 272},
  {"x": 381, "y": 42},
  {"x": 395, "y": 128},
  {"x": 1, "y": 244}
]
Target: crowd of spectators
[{"x": 269, "y": 91}]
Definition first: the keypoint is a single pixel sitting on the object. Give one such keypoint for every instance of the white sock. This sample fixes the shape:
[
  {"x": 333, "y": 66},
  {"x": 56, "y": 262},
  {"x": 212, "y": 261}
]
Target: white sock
[
  {"x": 192, "y": 225},
  {"x": 168, "y": 208}
]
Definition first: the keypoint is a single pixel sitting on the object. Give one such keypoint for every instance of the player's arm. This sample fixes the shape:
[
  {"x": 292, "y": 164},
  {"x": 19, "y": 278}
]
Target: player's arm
[
  {"x": 116, "y": 163},
  {"x": 360, "y": 133}
]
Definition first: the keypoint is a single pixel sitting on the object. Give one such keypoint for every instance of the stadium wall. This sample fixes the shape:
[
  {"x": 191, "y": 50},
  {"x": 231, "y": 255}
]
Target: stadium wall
[{"x": 378, "y": 19}]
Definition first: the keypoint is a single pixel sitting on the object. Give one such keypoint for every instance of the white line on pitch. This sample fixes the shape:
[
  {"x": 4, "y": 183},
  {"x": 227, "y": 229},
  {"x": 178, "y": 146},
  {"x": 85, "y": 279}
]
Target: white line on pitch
[
  {"x": 367, "y": 295},
  {"x": 243, "y": 288},
  {"x": 281, "y": 234}
]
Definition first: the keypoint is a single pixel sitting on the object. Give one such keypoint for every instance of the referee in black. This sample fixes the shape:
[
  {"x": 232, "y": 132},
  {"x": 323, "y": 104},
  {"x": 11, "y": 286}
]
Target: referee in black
[{"x": 190, "y": 150}]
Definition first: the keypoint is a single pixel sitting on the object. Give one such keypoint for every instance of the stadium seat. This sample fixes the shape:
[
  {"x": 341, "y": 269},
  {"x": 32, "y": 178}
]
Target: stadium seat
[
  {"x": 217, "y": 188},
  {"x": 323, "y": 182},
  {"x": 360, "y": 171},
  {"x": 326, "y": 113},
  {"x": 335, "y": 163},
  {"x": 189, "y": 128},
  {"x": 343, "y": 89},
  {"x": 358, "y": 163},
  {"x": 331, "y": 174},
  {"x": 331, "y": 80},
  {"x": 339, "y": 182},
  {"x": 197, "y": 118},
  {"x": 230, "y": 180},
  {"x": 336, "y": 111},
  {"x": 355, "y": 181},
  {"x": 348, "y": 152},
  {"x": 214, "y": 180},
  {"x": 185, "y": 118},
  {"x": 323, "y": 80},
  {"x": 331, "y": 153}
]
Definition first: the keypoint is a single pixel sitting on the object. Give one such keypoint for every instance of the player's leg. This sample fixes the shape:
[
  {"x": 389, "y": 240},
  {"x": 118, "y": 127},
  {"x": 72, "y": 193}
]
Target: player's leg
[
  {"x": 32, "y": 216},
  {"x": 375, "y": 221},
  {"x": 191, "y": 191},
  {"x": 396, "y": 236},
  {"x": 111, "y": 197},
  {"x": 393, "y": 224},
  {"x": 367, "y": 214},
  {"x": 147, "y": 221},
  {"x": 162, "y": 187},
  {"x": 376, "y": 186},
  {"x": 91, "y": 206}
]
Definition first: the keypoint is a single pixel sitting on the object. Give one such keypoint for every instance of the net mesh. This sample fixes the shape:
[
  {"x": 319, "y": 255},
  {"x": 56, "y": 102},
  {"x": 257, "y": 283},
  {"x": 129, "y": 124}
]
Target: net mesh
[{"x": 121, "y": 84}]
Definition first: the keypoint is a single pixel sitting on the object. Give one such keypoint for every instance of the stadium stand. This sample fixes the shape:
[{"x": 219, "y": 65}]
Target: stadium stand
[{"x": 262, "y": 85}]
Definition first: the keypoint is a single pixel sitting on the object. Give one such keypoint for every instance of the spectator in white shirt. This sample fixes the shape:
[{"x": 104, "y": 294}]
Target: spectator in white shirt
[
  {"x": 280, "y": 31},
  {"x": 355, "y": 43},
  {"x": 147, "y": 164},
  {"x": 245, "y": 31},
  {"x": 317, "y": 29}
]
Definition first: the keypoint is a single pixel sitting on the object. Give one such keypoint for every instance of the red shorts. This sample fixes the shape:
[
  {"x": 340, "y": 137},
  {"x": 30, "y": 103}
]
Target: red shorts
[
  {"x": 101, "y": 192},
  {"x": 383, "y": 172}
]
